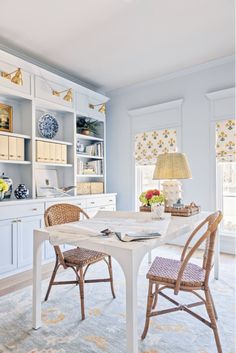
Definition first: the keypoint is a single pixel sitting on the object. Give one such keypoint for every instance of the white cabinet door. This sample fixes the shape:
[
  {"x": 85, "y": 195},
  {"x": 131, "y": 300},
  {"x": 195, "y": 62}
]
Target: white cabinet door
[
  {"x": 8, "y": 246},
  {"x": 25, "y": 227}
]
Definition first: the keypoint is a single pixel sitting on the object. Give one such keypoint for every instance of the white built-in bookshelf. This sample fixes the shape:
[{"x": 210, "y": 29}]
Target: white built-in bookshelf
[{"x": 29, "y": 102}]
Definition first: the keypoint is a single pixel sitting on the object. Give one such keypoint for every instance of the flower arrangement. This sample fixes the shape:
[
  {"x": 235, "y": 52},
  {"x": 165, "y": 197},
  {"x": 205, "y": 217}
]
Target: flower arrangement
[
  {"x": 3, "y": 188},
  {"x": 150, "y": 197}
]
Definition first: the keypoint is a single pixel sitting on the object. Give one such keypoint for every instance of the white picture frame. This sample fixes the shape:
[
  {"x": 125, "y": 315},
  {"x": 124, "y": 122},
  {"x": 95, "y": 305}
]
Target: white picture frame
[{"x": 46, "y": 182}]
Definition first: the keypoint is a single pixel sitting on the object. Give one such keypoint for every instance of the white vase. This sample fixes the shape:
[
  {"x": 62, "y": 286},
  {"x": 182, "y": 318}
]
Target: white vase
[
  {"x": 1, "y": 195},
  {"x": 158, "y": 211}
]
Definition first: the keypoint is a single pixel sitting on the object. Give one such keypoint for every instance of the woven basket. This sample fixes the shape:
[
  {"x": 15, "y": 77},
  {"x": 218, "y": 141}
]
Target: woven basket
[
  {"x": 186, "y": 211},
  {"x": 145, "y": 209}
]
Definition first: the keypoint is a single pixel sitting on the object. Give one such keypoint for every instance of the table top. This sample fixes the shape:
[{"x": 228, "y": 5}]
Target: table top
[{"x": 87, "y": 231}]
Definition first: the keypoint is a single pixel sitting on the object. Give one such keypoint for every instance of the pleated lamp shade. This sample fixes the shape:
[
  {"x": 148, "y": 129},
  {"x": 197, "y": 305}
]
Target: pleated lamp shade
[{"x": 172, "y": 166}]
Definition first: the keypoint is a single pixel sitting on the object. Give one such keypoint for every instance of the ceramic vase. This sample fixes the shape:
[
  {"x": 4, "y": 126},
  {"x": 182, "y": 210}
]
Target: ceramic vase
[
  {"x": 21, "y": 192},
  {"x": 157, "y": 211},
  {"x": 1, "y": 195}
]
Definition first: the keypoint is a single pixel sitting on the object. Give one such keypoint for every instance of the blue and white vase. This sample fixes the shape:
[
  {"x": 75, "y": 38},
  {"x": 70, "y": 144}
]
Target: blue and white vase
[{"x": 21, "y": 192}]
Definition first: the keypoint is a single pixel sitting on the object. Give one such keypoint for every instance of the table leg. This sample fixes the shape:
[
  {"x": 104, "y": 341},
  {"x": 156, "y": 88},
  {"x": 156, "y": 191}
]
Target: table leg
[
  {"x": 37, "y": 264},
  {"x": 217, "y": 256},
  {"x": 131, "y": 272}
]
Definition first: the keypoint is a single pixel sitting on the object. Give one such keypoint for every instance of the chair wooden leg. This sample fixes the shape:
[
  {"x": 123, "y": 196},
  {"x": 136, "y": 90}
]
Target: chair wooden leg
[
  {"x": 211, "y": 314},
  {"x": 149, "y": 308},
  {"x": 155, "y": 296},
  {"x": 81, "y": 289},
  {"x": 57, "y": 265},
  {"x": 111, "y": 276},
  {"x": 213, "y": 304}
]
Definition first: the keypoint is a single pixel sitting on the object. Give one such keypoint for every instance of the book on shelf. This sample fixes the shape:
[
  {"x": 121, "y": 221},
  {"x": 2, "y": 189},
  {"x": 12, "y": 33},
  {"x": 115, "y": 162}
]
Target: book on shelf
[
  {"x": 92, "y": 167},
  {"x": 95, "y": 149}
]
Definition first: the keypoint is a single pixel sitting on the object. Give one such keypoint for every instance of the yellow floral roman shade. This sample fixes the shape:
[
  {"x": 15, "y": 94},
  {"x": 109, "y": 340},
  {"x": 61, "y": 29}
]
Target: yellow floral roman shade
[
  {"x": 148, "y": 145},
  {"x": 225, "y": 141}
]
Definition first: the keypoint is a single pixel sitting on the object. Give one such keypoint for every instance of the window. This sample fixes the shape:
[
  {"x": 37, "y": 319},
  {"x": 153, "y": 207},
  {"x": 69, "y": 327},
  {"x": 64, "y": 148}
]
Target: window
[
  {"x": 144, "y": 181},
  {"x": 227, "y": 196},
  {"x": 226, "y": 176}
]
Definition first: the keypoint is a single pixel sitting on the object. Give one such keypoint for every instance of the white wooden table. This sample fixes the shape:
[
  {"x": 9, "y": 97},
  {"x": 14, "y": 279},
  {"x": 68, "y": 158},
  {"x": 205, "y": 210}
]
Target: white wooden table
[{"x": 129, "y": 256}]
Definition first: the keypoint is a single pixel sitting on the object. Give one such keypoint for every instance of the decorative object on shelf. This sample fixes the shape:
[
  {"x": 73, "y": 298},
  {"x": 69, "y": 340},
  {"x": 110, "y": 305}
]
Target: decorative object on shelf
[
  {"x": 46, "y": 182},
  {"x": 3, "y": 188},
  {"x": 9, "y": 182},
  {"x": 17, "y": 78},
  {"x": 21, "y": 192},
  {"x": 68, "y": 97},
  {"x": 57, "y": 192},
  {"x": 149, "y": 198},
  {"x": 5, "y": 117},
  {"x": 172, "y": 166},
  {"x": 80, "y": 147},
  {"x": 102, "y": 108},
  {"x": 185, "y": 211},
  {"x": 48, "y": 126},
  {"x": 87, "y": 126}
]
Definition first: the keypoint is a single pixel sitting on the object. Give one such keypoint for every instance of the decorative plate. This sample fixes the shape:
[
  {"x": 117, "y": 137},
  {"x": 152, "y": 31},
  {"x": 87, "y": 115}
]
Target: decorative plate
[{"x": 48, "y": 126}]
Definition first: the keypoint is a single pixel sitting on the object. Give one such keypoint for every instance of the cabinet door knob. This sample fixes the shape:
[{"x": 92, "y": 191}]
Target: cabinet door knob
[
  {"x": 34, "y": 209},
  {"x": 14, "y": 221}
]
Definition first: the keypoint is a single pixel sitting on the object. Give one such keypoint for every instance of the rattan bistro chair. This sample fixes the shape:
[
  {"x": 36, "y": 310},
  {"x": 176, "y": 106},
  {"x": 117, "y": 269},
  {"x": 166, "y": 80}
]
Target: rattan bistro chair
[
  {"x": 185, "y": 276},
  {"x": 78, "y": 258}
]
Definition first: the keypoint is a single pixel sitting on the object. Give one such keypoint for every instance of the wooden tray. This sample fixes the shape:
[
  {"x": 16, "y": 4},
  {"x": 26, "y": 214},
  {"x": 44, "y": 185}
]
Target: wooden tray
[{"x": 186, "y": 211}]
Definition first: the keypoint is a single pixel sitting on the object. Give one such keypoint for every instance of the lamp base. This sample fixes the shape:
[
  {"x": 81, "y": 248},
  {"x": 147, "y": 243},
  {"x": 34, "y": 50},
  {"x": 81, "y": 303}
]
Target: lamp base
[{"x": 172, "y": 191}]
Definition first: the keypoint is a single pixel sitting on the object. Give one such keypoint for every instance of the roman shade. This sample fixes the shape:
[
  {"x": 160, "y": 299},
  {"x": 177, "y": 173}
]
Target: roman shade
[
  {"x": 225, "y": 141},
  {"x": 149, "y": 145}
]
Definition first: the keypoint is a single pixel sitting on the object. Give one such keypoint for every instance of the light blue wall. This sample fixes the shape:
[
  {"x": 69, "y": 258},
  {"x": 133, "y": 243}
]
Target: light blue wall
[{"x": 192, "y": 87}]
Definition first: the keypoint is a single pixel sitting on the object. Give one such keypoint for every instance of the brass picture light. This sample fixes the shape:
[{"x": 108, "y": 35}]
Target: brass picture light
[
  {"x": 68, "y": 97},
  {"x": 17, "y": 78},
  {"x": 102, "y": 108}
]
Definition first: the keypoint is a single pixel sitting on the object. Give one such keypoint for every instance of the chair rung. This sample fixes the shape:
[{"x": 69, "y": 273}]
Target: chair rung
[
  {"x": 166, "y": 311},
  {"x": 97, "y": 280},
  {"x": 65, "y": 282}
]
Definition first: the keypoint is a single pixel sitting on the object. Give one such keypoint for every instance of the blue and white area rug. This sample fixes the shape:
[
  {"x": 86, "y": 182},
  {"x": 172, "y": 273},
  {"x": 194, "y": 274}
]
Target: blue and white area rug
[{"x": 104, "y": 330}]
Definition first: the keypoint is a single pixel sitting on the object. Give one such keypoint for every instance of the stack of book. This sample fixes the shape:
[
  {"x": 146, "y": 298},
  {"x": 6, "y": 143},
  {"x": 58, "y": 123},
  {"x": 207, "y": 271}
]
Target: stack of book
[{"x": 96, "y": 149}]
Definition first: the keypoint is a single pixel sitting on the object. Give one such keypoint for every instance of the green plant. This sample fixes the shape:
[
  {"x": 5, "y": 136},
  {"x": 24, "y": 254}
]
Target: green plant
[{"x": 84, "y": 123}]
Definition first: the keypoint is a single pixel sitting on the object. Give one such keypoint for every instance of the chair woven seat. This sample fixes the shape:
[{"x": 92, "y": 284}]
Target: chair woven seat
[
  {"x": 166, "y": 270},
  {"x": 82, "y": 257}
]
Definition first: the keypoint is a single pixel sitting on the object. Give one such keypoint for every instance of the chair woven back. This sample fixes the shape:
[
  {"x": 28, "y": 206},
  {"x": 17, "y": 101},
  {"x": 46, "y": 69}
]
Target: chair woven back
[
  {"x": 63, "y": 213},
  {"x": 209, "y": 237}
]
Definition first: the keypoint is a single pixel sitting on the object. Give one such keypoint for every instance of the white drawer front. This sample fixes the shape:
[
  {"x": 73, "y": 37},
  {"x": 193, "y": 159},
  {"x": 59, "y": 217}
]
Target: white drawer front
[
  {"x": 101, "y": 201},
  {"x": 21, "y": 210},
  {"x": 26, "y": 77},
  {"x": 44, "y": 89}
]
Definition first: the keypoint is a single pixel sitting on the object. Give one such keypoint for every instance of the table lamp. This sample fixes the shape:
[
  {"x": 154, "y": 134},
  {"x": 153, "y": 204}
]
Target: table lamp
[{"x": 170, "y": 167}]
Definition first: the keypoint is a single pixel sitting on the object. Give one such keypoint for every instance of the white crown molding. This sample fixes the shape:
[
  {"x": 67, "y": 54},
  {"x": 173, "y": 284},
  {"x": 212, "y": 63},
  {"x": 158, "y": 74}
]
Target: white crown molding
[
  {"x": 47, "y": 67},
  {"x": 224, "y": 93},
  {"x": 155, "y": 108},
  {"x": 170, "y": 76}
]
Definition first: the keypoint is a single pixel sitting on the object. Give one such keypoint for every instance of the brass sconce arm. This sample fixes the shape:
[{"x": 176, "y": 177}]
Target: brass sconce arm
[
  {"x": 68, "y": 97},
  {"x": 17, "y": 78},
  {"x": 102, "y": 108}
]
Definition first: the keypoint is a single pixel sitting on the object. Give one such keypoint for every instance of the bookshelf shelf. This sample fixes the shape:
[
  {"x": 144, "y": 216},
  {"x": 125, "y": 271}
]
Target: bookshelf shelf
[
  {"x": 53, "y": 141},
  {"x": 90, "y": 176},
  {"x": 87, "y": 137},
  {"x": 88, "y": 156}
]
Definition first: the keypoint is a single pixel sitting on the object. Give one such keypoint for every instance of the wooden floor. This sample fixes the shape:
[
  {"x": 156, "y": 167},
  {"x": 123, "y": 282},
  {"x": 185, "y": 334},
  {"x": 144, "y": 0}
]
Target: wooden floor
[{"x": 23, "y": 279}]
